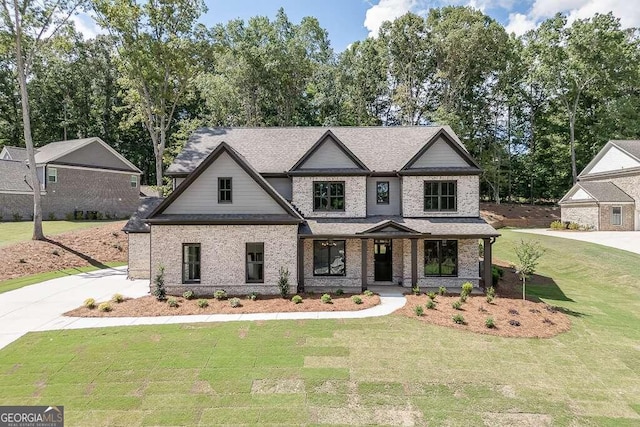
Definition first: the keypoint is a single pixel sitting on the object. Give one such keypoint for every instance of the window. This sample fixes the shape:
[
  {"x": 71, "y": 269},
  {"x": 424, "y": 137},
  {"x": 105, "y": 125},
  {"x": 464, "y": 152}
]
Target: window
[
  {"x": 255, "y": 263},
  {"x": 52, "y": 175},
  {"x": 191, "y": 263},
  {"x": 440, "y": 195},
  {"x": 224, "y": 190},
  {"x": 134, "y": 181},
  {"x": 329, "y": 258},
  {"x": 616, "y": 215},
  {"x": 328, "y": 196},
  {"x": 440, "y": 257},
  {"x": 382, "y": 192}
]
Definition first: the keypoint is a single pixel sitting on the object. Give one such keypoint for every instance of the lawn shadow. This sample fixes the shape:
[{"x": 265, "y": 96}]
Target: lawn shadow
[{"x": 94, "y": 262}]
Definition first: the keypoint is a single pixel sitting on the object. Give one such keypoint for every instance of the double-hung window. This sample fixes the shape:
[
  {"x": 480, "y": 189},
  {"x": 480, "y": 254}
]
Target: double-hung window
[
  {"x": 255, "y": 262},
  {"x": 329, "y": 258},
  {"x": 224, "y": 190},
  {"x": 134, "y": 181},
  {"x": 440, "y": 257},
  {"x": 52, "y": 175},
  {"x": 191, "y": 262},
  {"x": 440, "y": 195},
  {"x": 328, "y": 195},
  {"x": 616, "y": 215}
]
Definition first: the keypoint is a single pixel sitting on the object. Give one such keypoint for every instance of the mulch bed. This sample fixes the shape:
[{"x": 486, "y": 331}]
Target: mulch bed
[
  {"x": 149, "y": 306},
  {"x": 80, "y": 248}
]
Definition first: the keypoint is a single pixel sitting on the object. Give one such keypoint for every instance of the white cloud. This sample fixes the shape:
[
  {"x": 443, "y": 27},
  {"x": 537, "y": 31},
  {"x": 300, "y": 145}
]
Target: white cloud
[
  {"x": 548, "y": 8},
  {"x": 385, "y": 10},
  {"x": 519, "y": 24},
  {"x": 87, "y": 26}
]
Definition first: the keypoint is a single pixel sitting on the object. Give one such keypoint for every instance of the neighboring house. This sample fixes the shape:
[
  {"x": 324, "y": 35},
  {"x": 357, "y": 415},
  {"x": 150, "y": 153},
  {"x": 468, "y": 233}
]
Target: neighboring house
[
  {"x": 81, "y": 178},
  {"x": 607, "y": 195},
  {"x": 339, "y": 208}
]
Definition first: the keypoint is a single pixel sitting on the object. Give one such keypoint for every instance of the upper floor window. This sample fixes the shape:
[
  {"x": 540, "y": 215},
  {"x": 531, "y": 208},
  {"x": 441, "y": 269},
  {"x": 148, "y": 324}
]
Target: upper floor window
[
  {"x": 328, "y": 196},
  {"x": 382, "y": 192},
  {"x": 191, "y": 263},
  {"x": 616, "y": 215},
  {"x": 224, "y": 190},
  {"x": 440, "y": 257},
  {"x": 52, "y": 175},
  {"x": 440, "y": 195},
  {"x": 134, "y": 181}
]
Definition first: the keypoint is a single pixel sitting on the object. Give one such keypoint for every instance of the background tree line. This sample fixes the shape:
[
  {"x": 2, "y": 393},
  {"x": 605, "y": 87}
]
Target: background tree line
[{"x": 533, "y": 109}]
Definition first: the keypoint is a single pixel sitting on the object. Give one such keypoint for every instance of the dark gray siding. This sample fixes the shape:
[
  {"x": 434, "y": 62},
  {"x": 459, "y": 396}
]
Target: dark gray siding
[
  {"x": 393, "y": 208},
  {"x": 94, "y": 154},
  {"x": 329, "y": 156},
  {"x": 440, "y": 155},
  {"x": 282, "y": 186}
]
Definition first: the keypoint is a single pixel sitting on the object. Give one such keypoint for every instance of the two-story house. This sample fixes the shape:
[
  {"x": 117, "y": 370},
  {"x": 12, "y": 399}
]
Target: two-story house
[
  {"x": 339, "y": 208},
  {"x": 607, "y": 195},
  {"x": 81, "y": 178}
]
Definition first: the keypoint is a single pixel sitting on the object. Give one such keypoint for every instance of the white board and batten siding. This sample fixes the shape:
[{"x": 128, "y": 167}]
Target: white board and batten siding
[
  {"x": 439, "y": 155},
  {"x": 393, "y": 207},
  {"x": 329, "y": 156},
  {"x": 614, "y": 160},
  {"x": 201, "y": 197}
]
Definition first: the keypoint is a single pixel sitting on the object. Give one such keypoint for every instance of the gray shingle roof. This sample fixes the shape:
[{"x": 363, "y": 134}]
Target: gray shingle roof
[
  {"x": 605, "y": 191},
  {"x": 136, "y": 223},
  {"x": 276, "y": 150},
  {"x": 434, "y": 226},
  {"x": 48, "y": 152},
  {"x": 630, "y": 146},
  {"x": 15, "y": 176},
  {"x": 18, "y": 154}
]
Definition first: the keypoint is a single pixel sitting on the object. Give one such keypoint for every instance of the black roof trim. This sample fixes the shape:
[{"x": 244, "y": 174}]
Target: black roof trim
[
  {"x": 393, "y": 224},
  {"x": 440, "y": 171},
  {"x": 450, "y": 141},
  {"x": 328, "y": 134},
  {"x": 329, "y": 172}
]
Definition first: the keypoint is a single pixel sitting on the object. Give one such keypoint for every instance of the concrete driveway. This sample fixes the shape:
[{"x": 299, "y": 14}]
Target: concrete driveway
[{"x": 625, "y": 240}]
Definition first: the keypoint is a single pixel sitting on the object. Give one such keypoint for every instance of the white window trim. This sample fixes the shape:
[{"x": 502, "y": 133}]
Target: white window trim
[
  {"x": 134, "y": 178},
  {"x": 52, "y": 173},
  {"x": 612, "y": 215}
]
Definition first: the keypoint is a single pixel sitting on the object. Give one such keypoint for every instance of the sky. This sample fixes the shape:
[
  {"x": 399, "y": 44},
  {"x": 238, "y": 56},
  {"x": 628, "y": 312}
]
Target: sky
[{"x": 349, "y": 20}]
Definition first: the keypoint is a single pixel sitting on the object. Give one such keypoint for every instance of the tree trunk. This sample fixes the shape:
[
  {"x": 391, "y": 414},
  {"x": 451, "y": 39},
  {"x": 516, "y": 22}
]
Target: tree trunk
[
  {"x": 26, "y": 121},
  {"x": 572, "y": 125},
  {"x": 524, "y": 295}
]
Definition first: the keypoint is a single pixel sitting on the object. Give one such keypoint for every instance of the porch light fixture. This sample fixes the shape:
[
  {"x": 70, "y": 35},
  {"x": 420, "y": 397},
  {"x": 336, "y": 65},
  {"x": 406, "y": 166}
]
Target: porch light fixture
[{"x": 328, "y": 243}]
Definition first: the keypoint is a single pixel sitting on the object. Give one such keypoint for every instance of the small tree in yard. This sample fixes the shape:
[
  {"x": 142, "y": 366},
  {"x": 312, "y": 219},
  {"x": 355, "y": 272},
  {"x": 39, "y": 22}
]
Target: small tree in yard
[
  {"x": 283, "y": 282},
  {"x": 160, "y": 292},
  {"x": 528, "y": 253}
]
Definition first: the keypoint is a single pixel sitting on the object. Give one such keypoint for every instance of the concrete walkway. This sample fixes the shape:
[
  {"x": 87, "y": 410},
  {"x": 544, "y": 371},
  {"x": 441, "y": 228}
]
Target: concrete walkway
[
  {"x": 39, "y": 307},
  {"x": 625, "y": 240}
]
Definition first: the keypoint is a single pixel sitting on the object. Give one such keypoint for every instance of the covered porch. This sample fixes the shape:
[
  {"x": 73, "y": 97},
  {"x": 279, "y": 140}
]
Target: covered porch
[{"x": 357, "y": 254}]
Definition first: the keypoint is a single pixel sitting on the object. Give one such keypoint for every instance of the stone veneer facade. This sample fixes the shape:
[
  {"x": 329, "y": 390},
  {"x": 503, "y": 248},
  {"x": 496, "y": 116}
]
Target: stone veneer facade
[
  {"x": 586, "y": 214},
  {"x": 468, "y": 196},
  {"x": 223, "y": 252},
  {"x": 139, "y": 255},
  {"x": 355, "y": 200}
]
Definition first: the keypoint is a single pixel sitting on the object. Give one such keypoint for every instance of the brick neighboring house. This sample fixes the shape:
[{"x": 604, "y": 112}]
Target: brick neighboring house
[
  {"x": 85, "y": 177},
  {"x": 607, "y": 195},
  {"x": 339, "y": 208}
]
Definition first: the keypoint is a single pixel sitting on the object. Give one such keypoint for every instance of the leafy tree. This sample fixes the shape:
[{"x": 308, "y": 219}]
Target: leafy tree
[
  {"x": 528, "y": 253},
  {"x": 30, "y": 25}
]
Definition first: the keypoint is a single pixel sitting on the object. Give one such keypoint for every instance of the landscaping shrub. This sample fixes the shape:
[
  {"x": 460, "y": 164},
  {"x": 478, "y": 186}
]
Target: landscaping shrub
[
  {"x": 220, "y": 294},
  {"x": 490, "y": 299},
  {"x": 457, "y": 305},
  {"x": 467, "y": 287},
  {"x": 90, "y": 303},
  {"x": 496, "y": 275},
  {"x": 326, "y": 298},
  {"x": 283, "y": 282},
  {"x": 489, "y": 323},
  {"x": 368, "y": 293},
  {"x": 117, "y": 298},
  {"x": 297, "y": 299},
  {"x": 431, "y": 304},
  {"x": 160, "y": 292},
  {"x": 431, "y": 295},
  {"x": 416, "y": 290},
  {"x": 188, "y": 294},
  {"x": 252, "y": 296},
  {"x": 573, "y": 226},
  {"x": 203, "y": 303},
  {"x": 442, "y": 291},
  {"x": 235, "y": 302},
  {"x": 52, "y": 216},
  {"x": 491, "y": 292},
  {"x": 556, "y": 225},
  {"x": 173, "y": 302},
  {"x": 418, "y": 310},
  {"x": 17, "y": 217},
  {"x": 339, "y": 292},
  {"x": 356, "y": 299},
  {"x": 459, "y": 319},
  {"x": 463, "y": 297},
  {"x": 105, "y": 307}
]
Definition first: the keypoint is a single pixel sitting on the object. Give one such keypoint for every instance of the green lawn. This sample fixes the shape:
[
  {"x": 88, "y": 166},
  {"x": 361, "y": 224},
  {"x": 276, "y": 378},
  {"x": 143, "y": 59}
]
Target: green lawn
[
  {"x": 14, "y": 232},
  {"x": 390, "y": 370}
]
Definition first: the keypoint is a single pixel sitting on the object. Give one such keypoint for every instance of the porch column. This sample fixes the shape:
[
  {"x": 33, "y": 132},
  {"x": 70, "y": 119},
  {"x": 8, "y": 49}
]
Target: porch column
[
  {"x": 300, "y": 265},
  {"x": 363, "y": 250},
  {"x": 414, "y": 262},
  {"x": 487, "y": 262}
]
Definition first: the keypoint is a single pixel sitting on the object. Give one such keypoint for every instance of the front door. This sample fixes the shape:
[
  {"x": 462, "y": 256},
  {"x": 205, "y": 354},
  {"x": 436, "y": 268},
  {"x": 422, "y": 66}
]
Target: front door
[{"x": 382, "y": 260}]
